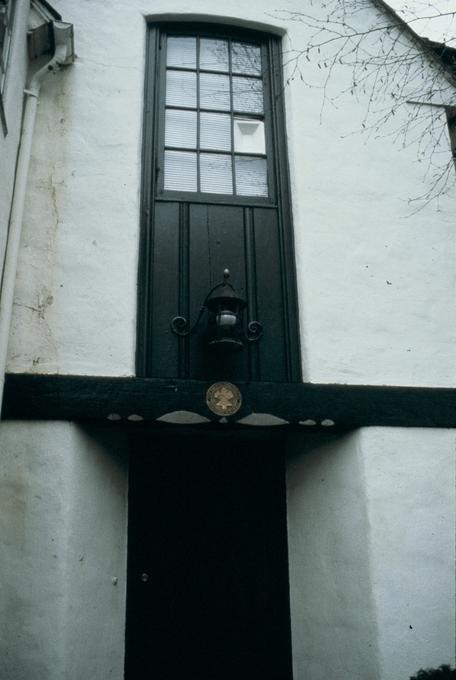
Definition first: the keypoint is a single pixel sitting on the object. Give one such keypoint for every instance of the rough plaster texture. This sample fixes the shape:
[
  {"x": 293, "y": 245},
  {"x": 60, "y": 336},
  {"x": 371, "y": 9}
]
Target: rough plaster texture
[
  {"x": 376, "y": 283},
  {"x": 13, "y": 102},
  {"x": 410, "y": 485},
  {"x": 334, "y": 627},
  {"x": 63, "y": 492},
  {"x": 371, "y": 544}
]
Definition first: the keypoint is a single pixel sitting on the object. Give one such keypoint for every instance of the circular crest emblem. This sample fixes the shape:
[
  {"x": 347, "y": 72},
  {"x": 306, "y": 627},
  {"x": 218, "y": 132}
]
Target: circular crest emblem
[{"x": 223, "y": 399}]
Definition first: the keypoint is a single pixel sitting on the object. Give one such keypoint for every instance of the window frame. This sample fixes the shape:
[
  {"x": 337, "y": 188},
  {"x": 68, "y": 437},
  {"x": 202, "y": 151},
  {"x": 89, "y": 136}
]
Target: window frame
[
  {"x": 208, "y": 30},
  {"x": 187, "y": 202},
  {"x": 5, "y": 50}
]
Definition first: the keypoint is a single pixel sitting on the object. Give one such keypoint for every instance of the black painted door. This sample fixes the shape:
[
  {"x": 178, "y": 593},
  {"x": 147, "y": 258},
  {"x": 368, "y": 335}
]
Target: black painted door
[
  {"x": 215, "y": 196},
  {"x": 208, "y": 579}
]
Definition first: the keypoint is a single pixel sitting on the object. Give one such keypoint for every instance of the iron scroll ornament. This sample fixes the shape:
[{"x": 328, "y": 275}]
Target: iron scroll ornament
[
  {"x": 180, "y": 326},
  {"x": 225, "y": 328}
]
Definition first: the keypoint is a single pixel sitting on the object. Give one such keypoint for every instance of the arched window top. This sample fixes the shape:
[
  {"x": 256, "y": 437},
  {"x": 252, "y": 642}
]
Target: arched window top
[{"x": 215, "y": 23}]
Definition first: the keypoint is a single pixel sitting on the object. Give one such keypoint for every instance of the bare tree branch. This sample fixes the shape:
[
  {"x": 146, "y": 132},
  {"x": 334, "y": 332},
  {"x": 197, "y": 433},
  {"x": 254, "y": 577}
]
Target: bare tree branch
[{"x": 393, "y": 68}]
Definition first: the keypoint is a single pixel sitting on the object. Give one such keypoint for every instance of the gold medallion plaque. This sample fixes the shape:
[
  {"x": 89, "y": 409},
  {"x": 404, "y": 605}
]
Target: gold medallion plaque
[{"x": 223, "y": 399}]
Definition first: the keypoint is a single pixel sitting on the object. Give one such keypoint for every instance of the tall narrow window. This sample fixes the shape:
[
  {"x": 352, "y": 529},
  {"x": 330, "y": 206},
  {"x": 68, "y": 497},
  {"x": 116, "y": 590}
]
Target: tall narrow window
[
  {"x": 214, "y": 137},
  {"x": 215, "y": 196},
  {"x": 6, "y": 21}
]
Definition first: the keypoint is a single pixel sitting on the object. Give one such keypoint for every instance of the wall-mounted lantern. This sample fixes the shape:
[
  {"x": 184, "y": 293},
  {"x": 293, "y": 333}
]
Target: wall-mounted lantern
[
  {"x": 225, "y": 329},
  {"x": 225, "y": 309}
]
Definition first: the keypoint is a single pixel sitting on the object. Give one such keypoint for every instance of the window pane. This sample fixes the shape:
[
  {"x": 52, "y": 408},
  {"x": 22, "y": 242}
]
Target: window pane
[
  {"x": 180, "y": 171},
  {"x": 249, "y": 135},
  {"x": 181, "y": 52},
  {"x": 246, "y": 59},
  {"x": 181, "y": 89},
  {"x": 251, "y": 176},
  {"x": 214, "y": 91},
  {"x": 180, "y": 128},
  {"x": 247, "y": 95},
  {"x": 215, "y": 131},
  {"x": 214, "y": 54},
  {"x": 216, "y": 175}
]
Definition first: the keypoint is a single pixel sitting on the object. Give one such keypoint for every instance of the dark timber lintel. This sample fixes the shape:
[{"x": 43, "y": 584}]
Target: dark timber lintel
[{"x": 66, "y": 397}]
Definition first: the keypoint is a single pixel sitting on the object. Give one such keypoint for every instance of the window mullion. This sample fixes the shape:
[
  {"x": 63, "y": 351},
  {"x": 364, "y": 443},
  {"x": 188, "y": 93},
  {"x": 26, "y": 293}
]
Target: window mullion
[
  {"x": 233, "y": 167},
  {"x": 198, "y": 145}
]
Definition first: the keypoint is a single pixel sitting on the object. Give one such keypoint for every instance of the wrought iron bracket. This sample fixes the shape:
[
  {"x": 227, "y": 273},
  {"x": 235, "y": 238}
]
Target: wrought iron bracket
[
  {"x": 254, "y": 331},
  {"x": 180, "y": 326}
]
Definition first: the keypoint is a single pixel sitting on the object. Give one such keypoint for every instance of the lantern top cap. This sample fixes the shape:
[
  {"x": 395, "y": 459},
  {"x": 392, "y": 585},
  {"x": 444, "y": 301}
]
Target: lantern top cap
[{"x": 225, "y": 293}]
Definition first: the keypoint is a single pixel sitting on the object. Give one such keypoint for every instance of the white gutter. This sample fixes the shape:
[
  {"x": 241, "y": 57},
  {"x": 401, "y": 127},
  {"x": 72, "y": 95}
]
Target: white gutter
[{"x": 63, "y": 55}]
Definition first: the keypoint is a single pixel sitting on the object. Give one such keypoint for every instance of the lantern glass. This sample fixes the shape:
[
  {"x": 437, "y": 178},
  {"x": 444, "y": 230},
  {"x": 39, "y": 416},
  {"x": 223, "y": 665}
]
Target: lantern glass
[
  {"x": 224, "y": 308},
  {"x": 226, "y": 328},
  {"x": 226, "y": 319}
]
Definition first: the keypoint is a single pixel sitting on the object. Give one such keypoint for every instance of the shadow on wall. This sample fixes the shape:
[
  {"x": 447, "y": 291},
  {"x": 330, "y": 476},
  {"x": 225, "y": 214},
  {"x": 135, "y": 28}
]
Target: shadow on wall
[
  {"x": 334, "y": 629},
  {"x": 96, "y": 553}
]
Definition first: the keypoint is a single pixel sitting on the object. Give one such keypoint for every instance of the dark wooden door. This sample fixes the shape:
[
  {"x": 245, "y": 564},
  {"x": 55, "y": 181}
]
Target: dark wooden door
[{"x": 208, "y": 577}]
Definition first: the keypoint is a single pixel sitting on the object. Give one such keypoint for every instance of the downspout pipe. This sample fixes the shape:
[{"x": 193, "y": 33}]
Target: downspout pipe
[{"x": 62, "y": 55}]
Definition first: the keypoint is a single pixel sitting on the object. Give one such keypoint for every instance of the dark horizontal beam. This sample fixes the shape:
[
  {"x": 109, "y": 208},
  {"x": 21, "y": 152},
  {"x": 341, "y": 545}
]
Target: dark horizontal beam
[{"x": 66, "y": 397}]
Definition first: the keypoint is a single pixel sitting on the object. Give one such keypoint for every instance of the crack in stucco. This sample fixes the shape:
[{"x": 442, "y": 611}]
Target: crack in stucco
[
  {"x": 53, "y": 195},
  {"x": 111, "y": 66},
  {"x": 40, "y": 309}
]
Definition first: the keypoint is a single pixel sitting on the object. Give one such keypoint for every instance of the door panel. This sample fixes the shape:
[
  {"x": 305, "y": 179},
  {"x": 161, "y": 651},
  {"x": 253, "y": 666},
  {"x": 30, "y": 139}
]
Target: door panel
[
  {"x": 163, "y": 356},
  {"x": 193, "y": 244},
  {"x": 216, "y": 242},
  {"x": 207, "y": 525}
]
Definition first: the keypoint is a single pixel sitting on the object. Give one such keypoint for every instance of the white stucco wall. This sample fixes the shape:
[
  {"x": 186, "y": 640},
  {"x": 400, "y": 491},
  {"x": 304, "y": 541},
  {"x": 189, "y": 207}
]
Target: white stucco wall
[
  {"x": 13, "y": 102},
  {"x": 410, "y": 482},
  {"x": 371, "y": 518},
  {"x": 63, "y": 494},
  {"x": 371, "y": 542},
  {"x": 376, "y": 284}
]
